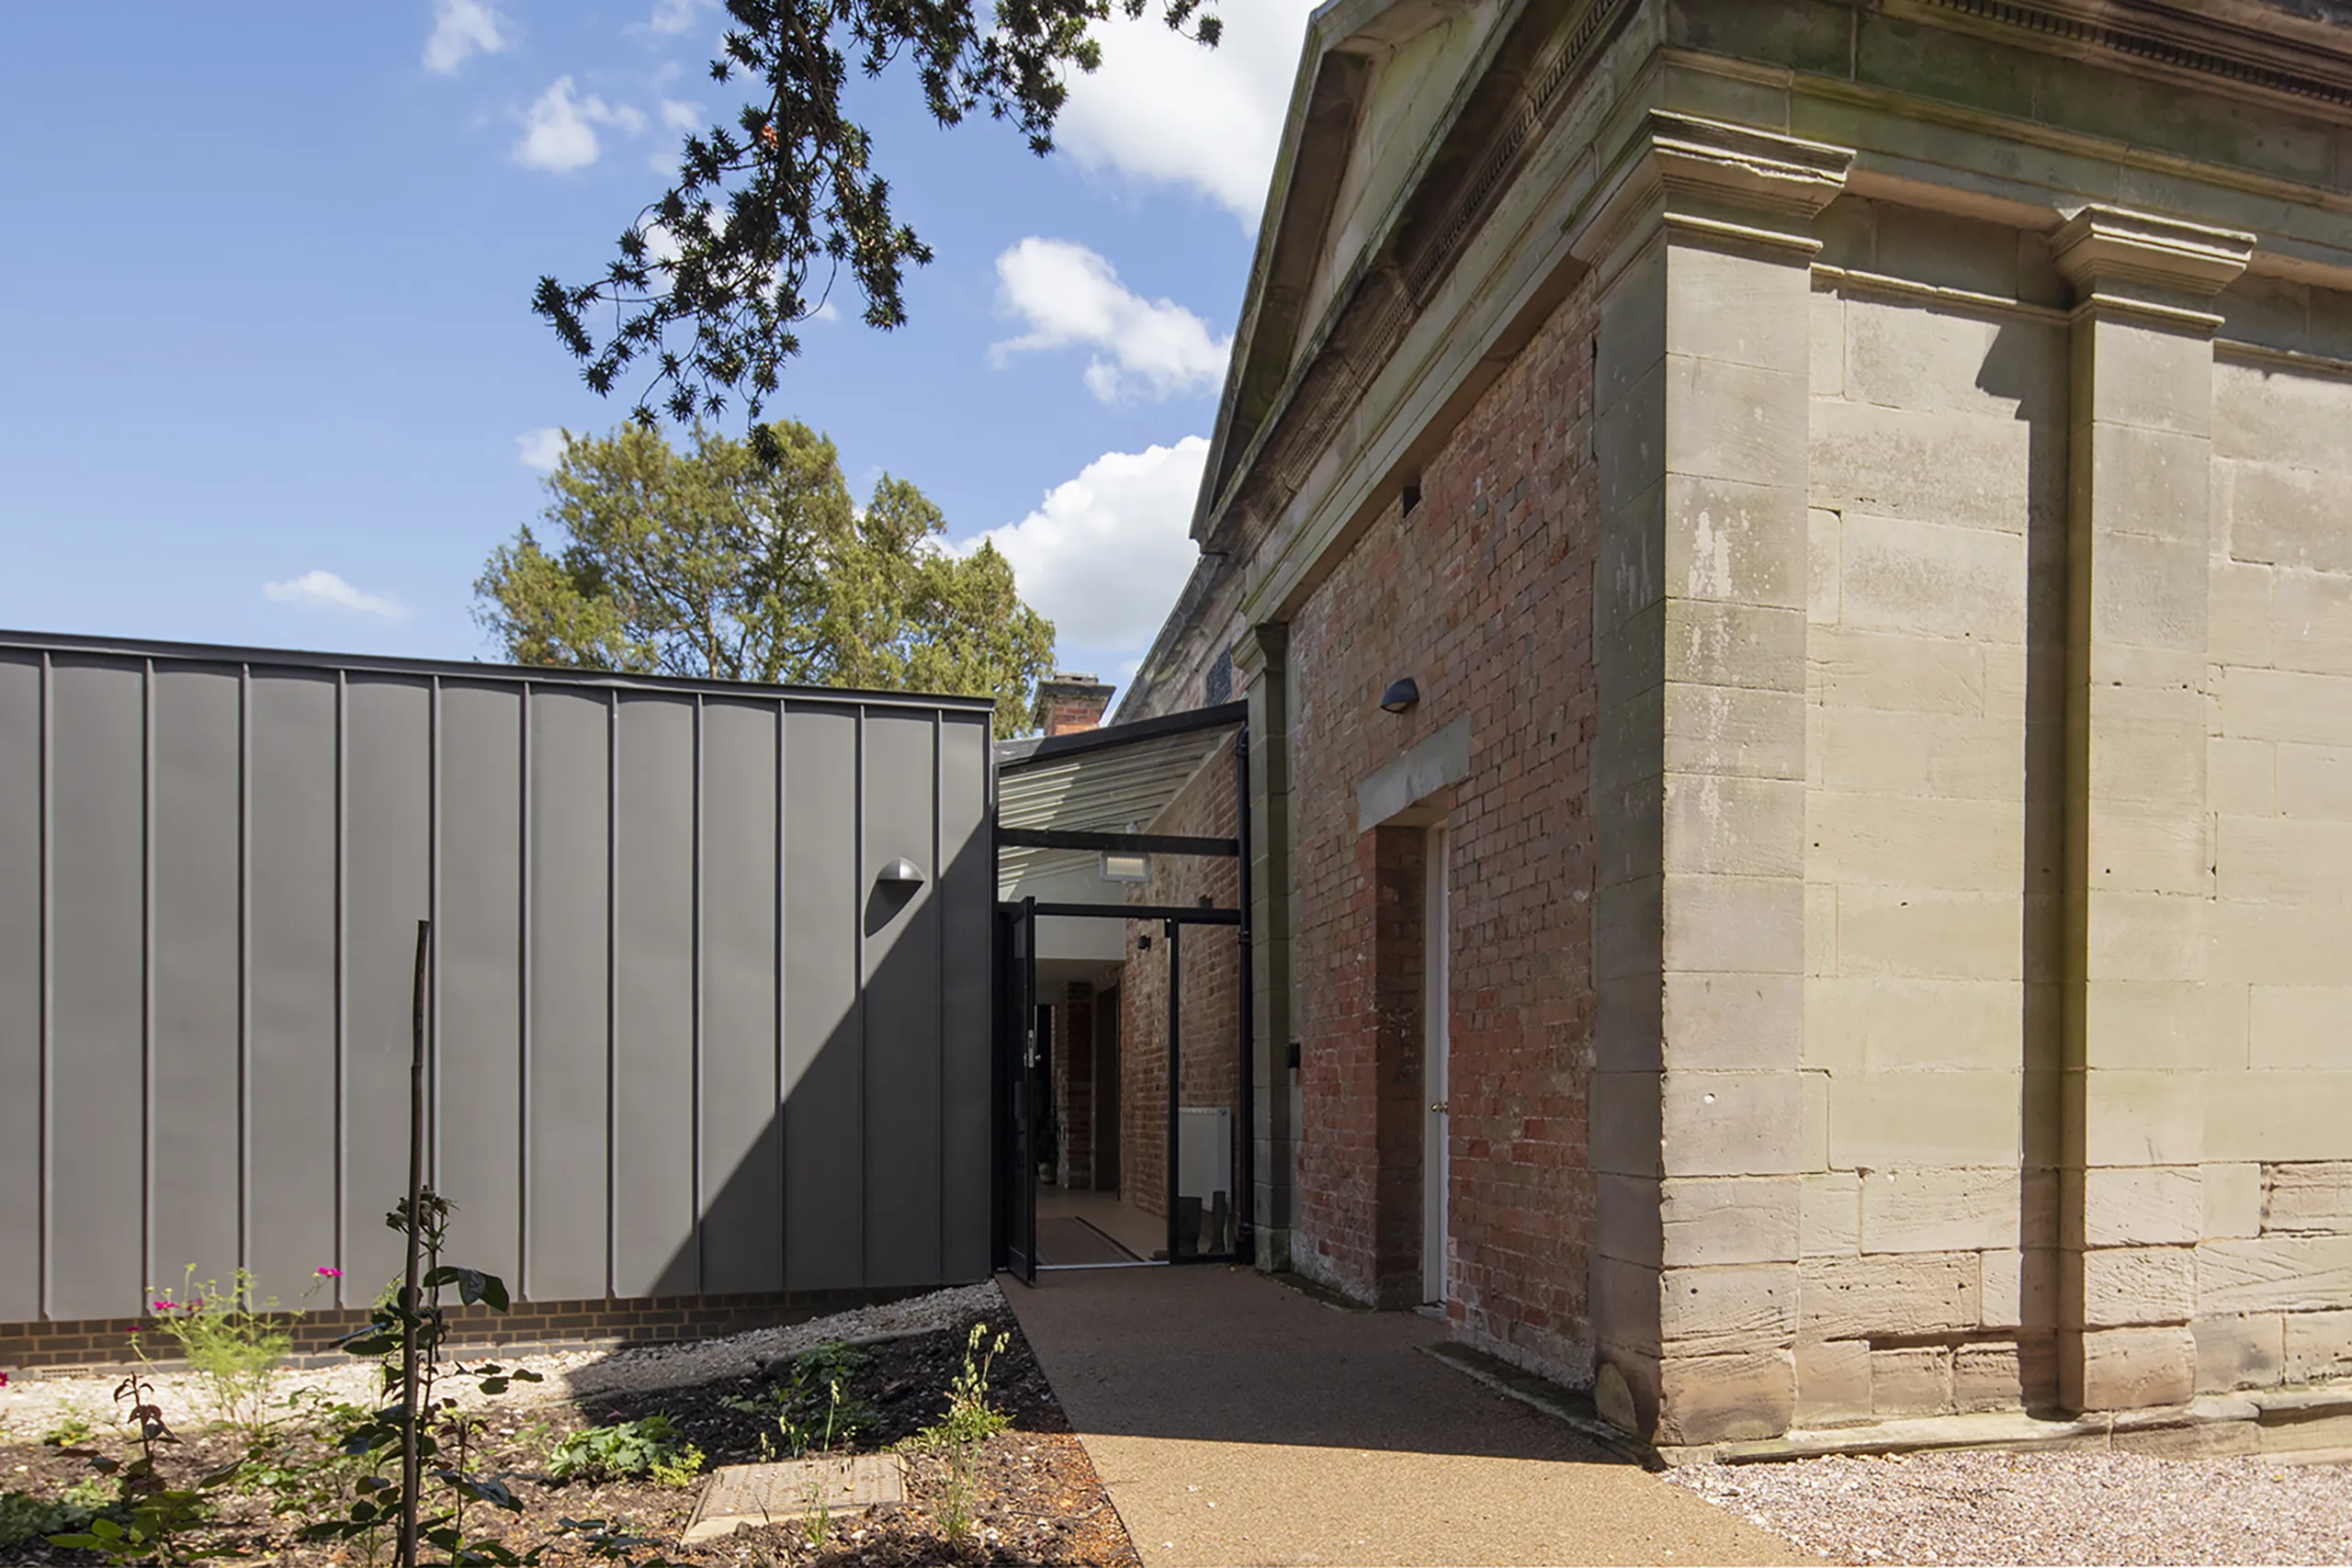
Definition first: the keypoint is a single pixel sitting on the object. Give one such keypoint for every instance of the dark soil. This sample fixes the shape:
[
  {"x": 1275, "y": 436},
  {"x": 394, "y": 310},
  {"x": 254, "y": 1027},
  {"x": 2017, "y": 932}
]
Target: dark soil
[{"x": 1038, "y": 1499}]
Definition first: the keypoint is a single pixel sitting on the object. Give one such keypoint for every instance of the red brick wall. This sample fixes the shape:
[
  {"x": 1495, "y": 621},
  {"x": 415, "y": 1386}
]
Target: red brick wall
[
  {"x": 68, "y": 1349},
  {"x": 1484, "y": 596},
  {"x": 1211, "y": 977},
  {"x": 1074, "y": 1085}
]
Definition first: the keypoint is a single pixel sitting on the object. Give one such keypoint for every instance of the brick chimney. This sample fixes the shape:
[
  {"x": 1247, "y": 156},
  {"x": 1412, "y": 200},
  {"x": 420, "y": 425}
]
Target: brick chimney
[{"x": 1067, "y": 704}]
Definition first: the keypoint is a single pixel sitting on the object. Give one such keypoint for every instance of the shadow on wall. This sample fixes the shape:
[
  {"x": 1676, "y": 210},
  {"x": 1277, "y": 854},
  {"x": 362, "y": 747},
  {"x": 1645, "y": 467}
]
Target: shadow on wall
[{"x": 2027, "y": 363}]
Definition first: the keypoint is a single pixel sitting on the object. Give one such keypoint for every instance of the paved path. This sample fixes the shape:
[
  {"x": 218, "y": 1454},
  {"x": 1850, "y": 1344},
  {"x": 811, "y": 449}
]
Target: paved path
[{"x": 1237, "y": 1421}]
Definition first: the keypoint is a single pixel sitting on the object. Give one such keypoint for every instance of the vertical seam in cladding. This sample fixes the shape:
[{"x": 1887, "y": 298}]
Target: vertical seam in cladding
[
  {"x": 783, "y": 1127},
  {"x": 694, "y": 1176},
  {"x": 612, "y": 982},
  {"x": 147, "y": 971},
  {"x": 857, "y": 983},
  {"x": 433, "y": 914},
  {"x": 244, "y": 963},
  {"x": 525, "y": 955},
  {"x": 47, "y": 980},
  {"x": 938, "y": 1002},
  {"x": 342, "y": 961}
]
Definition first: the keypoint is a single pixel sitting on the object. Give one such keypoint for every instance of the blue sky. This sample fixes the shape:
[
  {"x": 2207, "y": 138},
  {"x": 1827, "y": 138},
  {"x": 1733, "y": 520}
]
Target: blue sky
[{"x": 272, "y": 377}]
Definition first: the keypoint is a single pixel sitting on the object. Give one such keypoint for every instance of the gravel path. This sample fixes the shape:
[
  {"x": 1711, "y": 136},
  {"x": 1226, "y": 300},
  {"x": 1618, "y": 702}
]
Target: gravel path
[
  {"x": 2054, "y": 1507},
  {"x": 30, "y": 1406}
]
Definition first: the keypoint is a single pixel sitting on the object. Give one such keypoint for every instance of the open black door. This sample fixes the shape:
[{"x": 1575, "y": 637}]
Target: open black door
[{"x": 1025, "y": 1094}]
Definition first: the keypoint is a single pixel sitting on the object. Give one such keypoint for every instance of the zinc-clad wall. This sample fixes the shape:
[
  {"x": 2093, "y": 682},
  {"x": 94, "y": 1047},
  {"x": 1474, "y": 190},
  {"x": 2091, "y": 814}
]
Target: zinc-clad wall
[{"x": 686, "y": 1042}]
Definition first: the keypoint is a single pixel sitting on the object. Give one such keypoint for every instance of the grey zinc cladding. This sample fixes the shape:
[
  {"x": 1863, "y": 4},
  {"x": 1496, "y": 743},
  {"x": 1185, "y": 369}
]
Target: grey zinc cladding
[{"x": 684, "y": 1044}]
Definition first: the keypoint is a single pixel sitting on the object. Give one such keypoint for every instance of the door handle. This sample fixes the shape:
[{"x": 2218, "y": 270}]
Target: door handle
[{"x": 1438, "y": 1106}]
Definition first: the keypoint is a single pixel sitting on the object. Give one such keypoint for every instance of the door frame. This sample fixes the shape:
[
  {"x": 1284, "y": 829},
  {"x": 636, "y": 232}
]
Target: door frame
[{"x": 1437, "y": 1051}]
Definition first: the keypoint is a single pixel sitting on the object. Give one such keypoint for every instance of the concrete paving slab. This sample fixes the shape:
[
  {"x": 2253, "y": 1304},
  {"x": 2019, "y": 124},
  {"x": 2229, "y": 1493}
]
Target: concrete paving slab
[
  {"x": 1235, "y": 1420},
  {"x": 738, "y": 1495}
]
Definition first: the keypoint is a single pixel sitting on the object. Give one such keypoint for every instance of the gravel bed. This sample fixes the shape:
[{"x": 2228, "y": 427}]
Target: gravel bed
[
  {"x": 31, "y": 1405},
  {"x": 1983, "y": 1506}
]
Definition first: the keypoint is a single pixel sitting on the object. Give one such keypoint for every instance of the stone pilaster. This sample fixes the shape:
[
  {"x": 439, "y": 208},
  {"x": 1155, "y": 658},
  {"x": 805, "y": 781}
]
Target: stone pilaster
[
  {"x": 2138, "y": 883},
  {"x": 1700, "y": 396},
  {"x": 1261, "y": 666}
]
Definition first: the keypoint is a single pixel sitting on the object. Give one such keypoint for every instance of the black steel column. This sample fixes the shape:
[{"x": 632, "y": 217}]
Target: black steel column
[{"x": 1245, "y": 1152}]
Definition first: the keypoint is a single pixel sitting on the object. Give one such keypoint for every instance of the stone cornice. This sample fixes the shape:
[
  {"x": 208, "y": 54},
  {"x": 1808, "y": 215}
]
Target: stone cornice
[
  {"x": 1716, "y": 182},
  {"x": 2249, "y": 45}
]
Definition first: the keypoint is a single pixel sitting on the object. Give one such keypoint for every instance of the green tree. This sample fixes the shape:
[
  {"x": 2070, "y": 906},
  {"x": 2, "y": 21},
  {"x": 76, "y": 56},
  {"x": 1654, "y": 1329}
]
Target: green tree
[
  {"x": 767, "y": 212},
  {"x": 713, "y": 562}
]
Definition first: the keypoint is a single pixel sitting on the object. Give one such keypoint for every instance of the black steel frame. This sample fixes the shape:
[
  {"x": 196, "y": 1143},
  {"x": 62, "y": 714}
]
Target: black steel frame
[{"x": 1173, "y": 919}]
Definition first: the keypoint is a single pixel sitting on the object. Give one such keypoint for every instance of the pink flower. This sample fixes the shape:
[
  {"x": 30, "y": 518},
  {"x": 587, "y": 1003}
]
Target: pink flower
[
  {"x": 329, "y": 1273},
  {"x": 161, "y": 1306}
]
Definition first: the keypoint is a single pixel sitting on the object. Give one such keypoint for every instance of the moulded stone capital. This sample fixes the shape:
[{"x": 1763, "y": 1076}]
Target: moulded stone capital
[
  {"x": 1713, "y": 181},
  {"x": 2114, "y": 255},
  {"x": 1261, "y": 647}
]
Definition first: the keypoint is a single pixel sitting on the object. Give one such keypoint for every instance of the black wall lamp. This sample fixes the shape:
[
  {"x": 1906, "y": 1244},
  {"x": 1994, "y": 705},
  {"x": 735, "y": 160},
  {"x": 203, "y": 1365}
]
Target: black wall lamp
[{"x": 1400, "y": 696}]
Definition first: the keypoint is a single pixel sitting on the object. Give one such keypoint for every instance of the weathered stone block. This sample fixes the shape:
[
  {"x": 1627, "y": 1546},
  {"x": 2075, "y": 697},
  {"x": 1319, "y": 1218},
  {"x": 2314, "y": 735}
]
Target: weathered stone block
[
  {"x": 1833, "y": 1382},
  {"x": 2124, "y": 1286},
  {"x": 1931, "y": 1209},
  {"x": 1829, "y": 1221},
  {"x": 1898, "y": 1025},
  {"x": 1626, "y": 1223},
  {"x": 1727, "y": 541},
  {"x": 1910, "y": 1382},
  {"x": 1716, "y": 1123},
  {"x": 1723, "y": 729},
  {"x": 1853, "y": 1297},
  {"x": 1731, "y": 1220},
  {"x": 1719, "y": 1312},
  {"x": 2131, "y": 1369},
  {"x": 1716, "y": 1399},
  {"x": 2313, "y": 622},
  {"x": 2315, "y": 783},
  {"x": 1820, "y": 929},
  {"x": 2301, "y": 1026},
  {"x": 2277, "y": 859},
  {"x": 2285, "y": 515},
  {"x": 2287, "y": 705},
  {"x": 2241, "y": 777},
  {"x": 2318, "y": 1345},
  {"x": 1626, "y": 1304},
  {"x": 2279, "y": 1114},
  {"x": 1888, "y": 1120},
  {"x": 1734, "y": 826},
  {"x": 1985, "y": 1377},
  {"x": 2144, "y": 1118},
  {"x": 1626, "y": 1123},
  {"x": 2314, "y": 1196},
  {"x": 1734, "y": 1021},
  {"x": 1970, "y": 469},
  {"x": 1927, "y": 934},
  {"x": 2148, "y": 1206},
  {"x": 2275, "y": 1273},
  {"x": 1932, "y": 578},
  {"x": 1902, "y": 841},
  {"x": 1727, "y": 421},
  {"x": 1898, "y": 673},
  {"x": 2232, "y": 1200}
]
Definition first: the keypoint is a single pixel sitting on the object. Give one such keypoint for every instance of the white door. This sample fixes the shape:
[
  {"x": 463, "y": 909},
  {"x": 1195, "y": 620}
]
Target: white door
[{"x": 1436, "y": 1018}]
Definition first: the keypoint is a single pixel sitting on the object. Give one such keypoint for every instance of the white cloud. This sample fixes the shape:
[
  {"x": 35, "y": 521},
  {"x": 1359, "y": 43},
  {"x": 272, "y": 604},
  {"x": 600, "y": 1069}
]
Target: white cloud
[
  {"x": 1162, "y": 110},
  {"x": 462, "y": 29},
  {"x": 1105, "y": 553},
  {"x": 1070, "y": 296},
  {"x": 325, "y": 591},
  {"x": 679, "y": 115},
  {"x": 674, "y": 15},
  {"x": 540, "y": 448},
  {"x": 559, "y": 131},
  {"x": 826, "y": 310}
]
